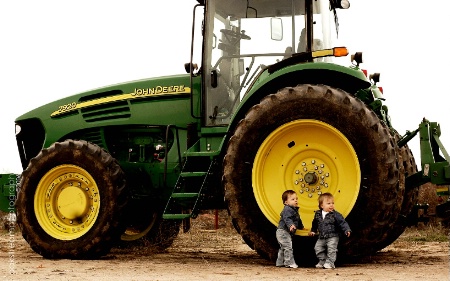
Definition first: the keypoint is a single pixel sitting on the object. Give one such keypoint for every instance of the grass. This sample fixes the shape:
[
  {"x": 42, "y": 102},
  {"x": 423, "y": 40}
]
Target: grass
[{"x": 426, "y": 233}]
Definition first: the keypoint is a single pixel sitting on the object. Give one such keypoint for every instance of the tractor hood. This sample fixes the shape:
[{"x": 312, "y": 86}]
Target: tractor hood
[
  {"x": 153, "y": 88},
  {"x": 148, "y": 102}
]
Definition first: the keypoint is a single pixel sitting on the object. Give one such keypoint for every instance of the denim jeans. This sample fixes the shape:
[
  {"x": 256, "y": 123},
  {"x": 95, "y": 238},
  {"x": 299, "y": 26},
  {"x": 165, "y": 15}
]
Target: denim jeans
[
  {"x": 326, "y": 250},
  {"x": 285, "y": 253}
]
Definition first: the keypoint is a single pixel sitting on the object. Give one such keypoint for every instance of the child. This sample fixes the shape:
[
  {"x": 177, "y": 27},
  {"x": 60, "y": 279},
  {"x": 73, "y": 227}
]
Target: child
[
  {"x": 327, "y": 222},
  {"x": 289, "y": 222}
]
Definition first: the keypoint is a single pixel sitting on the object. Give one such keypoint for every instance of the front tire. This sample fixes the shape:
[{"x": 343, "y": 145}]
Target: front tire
[
  {"x": 70, "y": 201},
  {"x": 292, "y": 127}
]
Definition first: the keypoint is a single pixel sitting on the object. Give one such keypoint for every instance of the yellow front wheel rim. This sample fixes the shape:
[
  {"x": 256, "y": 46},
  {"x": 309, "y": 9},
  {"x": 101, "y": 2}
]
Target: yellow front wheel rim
[
  {"x": 66, "y": 202},
  {"x": 310, "y": 157}
]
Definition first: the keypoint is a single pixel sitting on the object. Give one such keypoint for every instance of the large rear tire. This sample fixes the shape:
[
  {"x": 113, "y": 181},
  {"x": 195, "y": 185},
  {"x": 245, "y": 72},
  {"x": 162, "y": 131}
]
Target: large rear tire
[
  {"x": 295, "y": 137},
  {"x": 70, "y": 201},
  {"x": 408, "y": 167}
]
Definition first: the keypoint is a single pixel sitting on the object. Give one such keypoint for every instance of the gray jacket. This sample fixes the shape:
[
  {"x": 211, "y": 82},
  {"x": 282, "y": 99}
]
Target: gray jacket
[
  {"x": 332, "y": 225},
  {"x": 290, "y": 216}
]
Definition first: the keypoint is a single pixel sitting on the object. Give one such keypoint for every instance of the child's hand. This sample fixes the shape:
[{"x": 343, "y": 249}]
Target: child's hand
[
  {"x": 348, "y": 233},
  {"x": 311, "y": 233},
  {"x": 292, "y": 228}
]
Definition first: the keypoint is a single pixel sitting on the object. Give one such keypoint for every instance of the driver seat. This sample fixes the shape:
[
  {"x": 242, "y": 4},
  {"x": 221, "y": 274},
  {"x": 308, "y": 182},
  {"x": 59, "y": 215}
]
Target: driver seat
[{"x": 301, "y": 46}]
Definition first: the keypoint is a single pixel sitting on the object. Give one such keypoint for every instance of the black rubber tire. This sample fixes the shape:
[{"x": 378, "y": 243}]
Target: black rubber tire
[
  {"x": 160, "y": 236},
  {"x": 110, "y": 181},
  {"x": 377, "y": 206},
  {"x": 411, "y": 194},
  {"x": 408, "y": 167}
]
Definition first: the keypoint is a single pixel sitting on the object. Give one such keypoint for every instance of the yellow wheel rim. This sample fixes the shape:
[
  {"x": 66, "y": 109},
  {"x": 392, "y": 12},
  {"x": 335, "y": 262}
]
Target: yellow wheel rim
[
  {"x": 66, "y": 202},
  {"x": 134, "y": 233},
  {"x": 311, "y": 158}
]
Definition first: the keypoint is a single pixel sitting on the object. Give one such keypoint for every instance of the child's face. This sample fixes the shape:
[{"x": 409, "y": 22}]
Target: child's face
[
  {"x": 292, "y": 200},
  {"x": 327, "y": 204}
]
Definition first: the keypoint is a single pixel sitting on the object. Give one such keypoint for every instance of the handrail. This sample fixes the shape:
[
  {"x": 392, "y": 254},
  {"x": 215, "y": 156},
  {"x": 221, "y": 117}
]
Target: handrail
[
  {"x": 191, "y": 65},
  {"x": 166, "y": 151}
]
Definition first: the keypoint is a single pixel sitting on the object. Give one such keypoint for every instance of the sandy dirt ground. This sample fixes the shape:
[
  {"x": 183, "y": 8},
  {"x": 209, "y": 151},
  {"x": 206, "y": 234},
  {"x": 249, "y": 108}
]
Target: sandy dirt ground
[{"x": 208, "y": 254}]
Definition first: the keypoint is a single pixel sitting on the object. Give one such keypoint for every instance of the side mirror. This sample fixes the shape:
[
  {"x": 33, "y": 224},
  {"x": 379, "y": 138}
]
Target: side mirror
[{"x": 276, "y": 29}]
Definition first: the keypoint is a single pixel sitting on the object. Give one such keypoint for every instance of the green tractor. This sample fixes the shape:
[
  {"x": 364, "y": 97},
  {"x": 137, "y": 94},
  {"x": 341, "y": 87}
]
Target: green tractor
[{"x": 267, "y": 109}]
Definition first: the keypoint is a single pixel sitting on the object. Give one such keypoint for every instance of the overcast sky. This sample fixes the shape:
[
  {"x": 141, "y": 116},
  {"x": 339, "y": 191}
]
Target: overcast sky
[{"x": 51, "y": 49}]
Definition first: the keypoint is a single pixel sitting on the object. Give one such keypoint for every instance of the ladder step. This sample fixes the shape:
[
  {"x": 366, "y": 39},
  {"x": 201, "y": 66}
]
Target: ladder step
[
  {"x": 184, "y": 195},
  {"x": 176, "y": 216},
  {"x": 192, "y": 174}
]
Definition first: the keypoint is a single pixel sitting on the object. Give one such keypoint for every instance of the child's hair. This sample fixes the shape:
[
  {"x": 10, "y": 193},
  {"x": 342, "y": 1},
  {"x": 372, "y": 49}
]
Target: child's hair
[
  {"x": 323, "y": 196},
  {"x": 286, "y": 194}
]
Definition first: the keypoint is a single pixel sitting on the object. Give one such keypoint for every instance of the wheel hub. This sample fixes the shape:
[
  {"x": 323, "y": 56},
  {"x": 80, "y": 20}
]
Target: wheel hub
[
  {"x": 312, "y": 176},
  {"x": 72, "y": 202},
  {"x": 66, "y": 202}
]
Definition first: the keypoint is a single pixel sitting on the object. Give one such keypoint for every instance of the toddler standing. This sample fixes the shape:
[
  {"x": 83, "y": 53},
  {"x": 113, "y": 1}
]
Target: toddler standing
[
  {"x": 327, "y": 223},
  {"x": 289, "y": 222}
]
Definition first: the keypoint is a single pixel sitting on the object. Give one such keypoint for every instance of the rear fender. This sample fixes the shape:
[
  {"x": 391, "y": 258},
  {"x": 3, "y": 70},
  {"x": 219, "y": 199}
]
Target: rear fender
[{"x": 348, "y": 79}]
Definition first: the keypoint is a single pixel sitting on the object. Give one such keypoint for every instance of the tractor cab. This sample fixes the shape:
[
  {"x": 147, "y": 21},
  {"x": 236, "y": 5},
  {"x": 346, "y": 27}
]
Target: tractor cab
[{"x": 242, "y": 38}]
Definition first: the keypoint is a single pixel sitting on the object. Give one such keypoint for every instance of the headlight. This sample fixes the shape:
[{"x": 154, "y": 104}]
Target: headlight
[{"x": 18, "y": 129}]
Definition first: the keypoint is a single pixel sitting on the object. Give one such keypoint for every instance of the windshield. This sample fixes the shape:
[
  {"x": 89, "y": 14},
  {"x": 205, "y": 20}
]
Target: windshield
[{"x": 244, "y": 36}]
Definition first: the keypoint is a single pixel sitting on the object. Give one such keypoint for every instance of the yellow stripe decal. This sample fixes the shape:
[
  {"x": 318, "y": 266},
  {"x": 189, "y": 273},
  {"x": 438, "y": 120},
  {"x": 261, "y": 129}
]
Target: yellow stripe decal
[{"x": 138, "y": 93}]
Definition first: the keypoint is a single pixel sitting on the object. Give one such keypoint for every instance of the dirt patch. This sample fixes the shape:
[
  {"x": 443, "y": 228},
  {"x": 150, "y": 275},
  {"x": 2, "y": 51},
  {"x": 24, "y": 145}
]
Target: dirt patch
[{"x": 205, "y": 253}]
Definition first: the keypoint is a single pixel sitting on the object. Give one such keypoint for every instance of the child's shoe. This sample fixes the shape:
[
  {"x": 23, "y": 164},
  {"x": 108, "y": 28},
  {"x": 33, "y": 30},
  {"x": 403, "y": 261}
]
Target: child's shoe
[
  {"x": 292, "y": 265},
  {"x": 328, "y": 266},
  {"x": 320, "y": 264}
]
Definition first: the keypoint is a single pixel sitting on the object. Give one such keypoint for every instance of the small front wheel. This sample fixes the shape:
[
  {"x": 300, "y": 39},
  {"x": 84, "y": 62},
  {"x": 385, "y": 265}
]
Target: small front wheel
[{"x": 70, "y": 201}]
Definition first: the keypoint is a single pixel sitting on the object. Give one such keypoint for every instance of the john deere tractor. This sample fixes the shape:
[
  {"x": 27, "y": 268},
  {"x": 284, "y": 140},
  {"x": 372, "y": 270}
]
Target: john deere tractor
[{"x": 268, "y": 108}]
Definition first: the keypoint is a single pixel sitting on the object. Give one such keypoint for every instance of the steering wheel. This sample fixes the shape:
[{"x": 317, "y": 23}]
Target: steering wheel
[{"x": 236, "y": 35}]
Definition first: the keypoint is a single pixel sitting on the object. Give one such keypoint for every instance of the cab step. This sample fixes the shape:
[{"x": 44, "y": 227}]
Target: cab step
[
  {"x": 190, "y": 188},
  {"x": 176, "y": 216}
]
